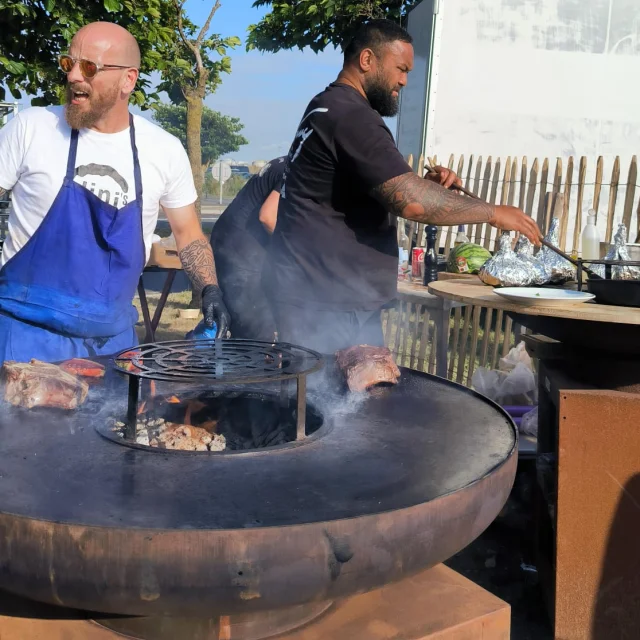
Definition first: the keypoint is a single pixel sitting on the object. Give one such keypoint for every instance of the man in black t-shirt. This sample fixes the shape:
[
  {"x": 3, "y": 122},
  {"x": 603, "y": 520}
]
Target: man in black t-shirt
[
  {"x": 239, "y": 240},
  {"x": 332, "y": 263}
]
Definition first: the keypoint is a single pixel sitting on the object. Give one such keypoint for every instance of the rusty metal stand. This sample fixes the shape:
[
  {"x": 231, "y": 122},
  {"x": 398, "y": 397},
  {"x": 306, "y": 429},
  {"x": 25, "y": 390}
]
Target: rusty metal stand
[{"x": 588, "y": 491}]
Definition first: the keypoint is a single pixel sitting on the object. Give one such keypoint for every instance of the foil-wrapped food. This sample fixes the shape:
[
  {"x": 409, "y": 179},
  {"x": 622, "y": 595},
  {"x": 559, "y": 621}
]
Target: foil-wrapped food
[
  {"x": 505, "y": 268},
  {"x": 618, "y": 251},
  {"x": 557, "y": 269},
  {"x": 524, "y": 251}
]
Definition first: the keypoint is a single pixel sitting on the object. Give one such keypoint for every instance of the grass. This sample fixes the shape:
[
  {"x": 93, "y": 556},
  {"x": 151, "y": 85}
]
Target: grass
[{"x": 171, "y": 326}]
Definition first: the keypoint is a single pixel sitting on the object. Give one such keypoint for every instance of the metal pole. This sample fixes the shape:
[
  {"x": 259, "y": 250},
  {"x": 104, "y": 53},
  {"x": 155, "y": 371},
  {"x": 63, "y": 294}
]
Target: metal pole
[
  {"x": 220, "y": 178},
  {"x": 132, "y": 409},
  {"x": 301, "y": 431}
]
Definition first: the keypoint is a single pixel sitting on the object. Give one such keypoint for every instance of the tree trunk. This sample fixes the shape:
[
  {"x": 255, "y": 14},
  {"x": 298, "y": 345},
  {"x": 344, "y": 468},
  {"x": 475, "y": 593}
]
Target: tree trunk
[
  {"x": 194, "y": 145},
  {"x": 195, "y": 100}
]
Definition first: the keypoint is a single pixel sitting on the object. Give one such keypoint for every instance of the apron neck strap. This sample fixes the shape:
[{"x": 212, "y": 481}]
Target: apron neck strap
[
  {"x": 71, "y": 160},
  {"x": 136, "y": 164},
  {"x": 73, "y": 151}
]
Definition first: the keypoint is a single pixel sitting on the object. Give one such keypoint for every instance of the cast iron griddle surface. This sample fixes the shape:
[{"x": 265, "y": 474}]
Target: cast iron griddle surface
[{"x": 403, "y": 446}]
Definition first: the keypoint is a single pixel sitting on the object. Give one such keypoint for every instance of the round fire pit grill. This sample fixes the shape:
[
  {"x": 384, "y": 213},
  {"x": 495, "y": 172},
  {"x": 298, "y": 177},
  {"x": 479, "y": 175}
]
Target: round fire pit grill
[
  {"x": 402, "y": 479},
  {"x": 218, "y": 362}
]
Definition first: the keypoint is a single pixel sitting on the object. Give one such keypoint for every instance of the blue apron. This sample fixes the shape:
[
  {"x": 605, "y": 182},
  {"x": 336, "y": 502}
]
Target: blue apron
[{"x": 68, "y": 292}]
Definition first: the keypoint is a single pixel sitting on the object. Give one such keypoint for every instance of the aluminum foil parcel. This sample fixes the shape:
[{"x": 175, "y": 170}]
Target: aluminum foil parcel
[
  {"x": 505, "y": 269},
  {"x": 524, "y": 251},
  {"x": 618, "y": 251},
  {"x": 557, "y": 269}
]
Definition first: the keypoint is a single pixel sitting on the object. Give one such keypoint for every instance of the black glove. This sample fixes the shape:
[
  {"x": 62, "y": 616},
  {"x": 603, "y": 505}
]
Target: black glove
[{"x": 214, "y": 310}]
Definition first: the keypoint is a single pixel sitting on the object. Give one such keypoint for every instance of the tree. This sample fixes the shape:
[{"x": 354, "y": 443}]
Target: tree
[
  {"x": 317, "y": 23},
  {"x": 219, "y": 134},
  {"x": 191, "y": 73},
  {"x": 34, "y": 32}
]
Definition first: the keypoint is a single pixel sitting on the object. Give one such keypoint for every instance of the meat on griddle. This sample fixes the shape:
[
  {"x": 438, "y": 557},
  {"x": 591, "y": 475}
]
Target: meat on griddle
[
  {"x": 84, "y": 368},
  {"x": 365, "y": 366},
  {"x": 41, "y": 384}
]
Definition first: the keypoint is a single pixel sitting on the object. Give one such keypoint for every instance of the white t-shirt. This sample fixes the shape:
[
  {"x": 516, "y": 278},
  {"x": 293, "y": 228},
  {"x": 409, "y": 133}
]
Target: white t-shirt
[{"x": 34, "y": 147}]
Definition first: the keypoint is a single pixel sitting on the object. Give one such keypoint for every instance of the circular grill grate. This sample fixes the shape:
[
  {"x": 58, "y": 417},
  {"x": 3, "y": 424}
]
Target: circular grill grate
[{"x": 218, "y": 361}]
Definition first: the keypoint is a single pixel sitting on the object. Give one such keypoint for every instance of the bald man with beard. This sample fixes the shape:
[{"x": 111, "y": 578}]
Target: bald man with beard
[{"x": 87, "y": 181}]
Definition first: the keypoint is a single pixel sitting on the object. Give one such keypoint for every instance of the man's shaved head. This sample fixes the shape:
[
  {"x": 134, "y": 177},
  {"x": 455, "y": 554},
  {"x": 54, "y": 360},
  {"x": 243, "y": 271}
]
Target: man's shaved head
[
  {"x": 117, "y": 44},
  {"x": 103, "y": 97}
]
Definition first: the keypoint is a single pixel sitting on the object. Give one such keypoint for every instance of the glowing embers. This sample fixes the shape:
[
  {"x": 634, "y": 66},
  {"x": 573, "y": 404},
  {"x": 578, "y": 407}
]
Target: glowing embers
[{"x": 214, "y": 421}]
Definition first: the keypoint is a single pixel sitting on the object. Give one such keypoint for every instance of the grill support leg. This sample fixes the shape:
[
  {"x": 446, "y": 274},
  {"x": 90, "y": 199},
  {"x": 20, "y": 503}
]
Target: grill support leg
[
  {"x": 301, "y": 401},
  {"x": 132, "y": 408}
]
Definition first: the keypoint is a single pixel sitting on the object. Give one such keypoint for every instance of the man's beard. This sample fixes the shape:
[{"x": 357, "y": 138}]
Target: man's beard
[
  {"x": 381, "y": 98},
  {"x": 79, "y": 117}
]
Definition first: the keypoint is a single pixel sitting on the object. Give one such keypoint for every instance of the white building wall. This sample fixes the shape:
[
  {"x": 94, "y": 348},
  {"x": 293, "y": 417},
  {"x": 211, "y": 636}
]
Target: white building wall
[{"x": 541, "y": 78}]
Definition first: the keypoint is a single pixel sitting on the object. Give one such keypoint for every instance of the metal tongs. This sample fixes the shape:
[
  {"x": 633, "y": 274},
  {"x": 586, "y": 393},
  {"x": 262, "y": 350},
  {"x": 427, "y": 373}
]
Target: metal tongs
[{"x": 576, "y": 263}]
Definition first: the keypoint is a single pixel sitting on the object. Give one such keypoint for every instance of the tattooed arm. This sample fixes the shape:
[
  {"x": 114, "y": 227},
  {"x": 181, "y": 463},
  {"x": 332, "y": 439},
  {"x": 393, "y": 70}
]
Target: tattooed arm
[
  {"x": 196, "y": 256},
  {"x": 194, "y": 249},
  {"x": 197, "y": 262},
  {"x": 414, "y": 198}
]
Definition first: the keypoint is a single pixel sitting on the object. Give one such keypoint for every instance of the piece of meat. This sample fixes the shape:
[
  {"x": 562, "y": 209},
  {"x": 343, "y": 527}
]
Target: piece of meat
[
  {"x": 183, "y": 437},
  {"x": 85, "y": 368},
  {"x": 41, "y": 384},
  {"x": 365, "y": 366},
  {"x": 126, "y": 361}
]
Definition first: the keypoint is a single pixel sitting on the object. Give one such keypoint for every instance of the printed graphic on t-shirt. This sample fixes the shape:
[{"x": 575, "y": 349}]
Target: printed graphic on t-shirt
[
  {"x": 105, "y": 182},
  {"x": 299, "y": 140}
]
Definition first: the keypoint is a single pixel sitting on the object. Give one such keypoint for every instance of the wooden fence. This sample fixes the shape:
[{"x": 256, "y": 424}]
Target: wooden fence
[{"x": 479, "y": 336}]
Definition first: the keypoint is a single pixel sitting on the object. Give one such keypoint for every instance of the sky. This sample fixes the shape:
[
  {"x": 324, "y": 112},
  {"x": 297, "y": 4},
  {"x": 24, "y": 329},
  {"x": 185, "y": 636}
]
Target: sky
[{"x": 268, "y": 92}]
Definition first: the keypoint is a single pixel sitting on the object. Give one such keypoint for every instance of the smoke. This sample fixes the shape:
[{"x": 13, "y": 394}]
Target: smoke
[{"x": 328, "y": 393}]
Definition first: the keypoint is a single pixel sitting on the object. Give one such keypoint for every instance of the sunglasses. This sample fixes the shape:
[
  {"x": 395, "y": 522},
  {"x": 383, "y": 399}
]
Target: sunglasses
[{"x": 88, "y": 68}]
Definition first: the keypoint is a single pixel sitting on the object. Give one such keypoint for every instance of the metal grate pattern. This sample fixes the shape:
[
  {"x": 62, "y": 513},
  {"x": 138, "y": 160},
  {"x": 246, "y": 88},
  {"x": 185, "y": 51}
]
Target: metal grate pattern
[{"x": 218, "y": 361}]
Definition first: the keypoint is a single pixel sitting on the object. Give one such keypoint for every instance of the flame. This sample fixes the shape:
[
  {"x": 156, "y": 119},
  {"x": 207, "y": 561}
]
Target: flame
[
  {"x": 142, "y": 407},
  {"x": 173, "y": 400},
  {"x": 152, "y": 387},
  {"x": 187, "y": 414}
]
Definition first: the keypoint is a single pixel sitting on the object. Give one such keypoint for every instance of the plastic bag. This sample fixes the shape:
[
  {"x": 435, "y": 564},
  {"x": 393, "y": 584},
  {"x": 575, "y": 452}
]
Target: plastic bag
[
  {"x": 529, "y": 423},
  {"x": 515, "y": 387},
  {"x": 518, "y": 354}
]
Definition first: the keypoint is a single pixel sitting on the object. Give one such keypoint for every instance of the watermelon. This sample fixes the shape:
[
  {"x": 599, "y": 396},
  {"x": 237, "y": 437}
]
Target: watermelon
[{"x": 467, "y": 258}]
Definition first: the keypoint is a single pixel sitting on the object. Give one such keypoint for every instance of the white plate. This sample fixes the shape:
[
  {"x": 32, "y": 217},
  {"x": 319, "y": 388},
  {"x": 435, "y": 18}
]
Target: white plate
[{"x": 541, "y": 297}]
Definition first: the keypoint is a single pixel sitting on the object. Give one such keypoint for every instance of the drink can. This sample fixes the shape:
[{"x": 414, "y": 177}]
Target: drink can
[{"x": 417, "y": 262}]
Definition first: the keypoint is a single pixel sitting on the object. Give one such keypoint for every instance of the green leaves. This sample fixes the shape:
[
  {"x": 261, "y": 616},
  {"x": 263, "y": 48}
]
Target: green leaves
[
  {"x": 112, "y": 6},
  {"x": 12, "y": 67},
  {"x": 35, "y": 32},
  {"x": 317, "y": 23}
]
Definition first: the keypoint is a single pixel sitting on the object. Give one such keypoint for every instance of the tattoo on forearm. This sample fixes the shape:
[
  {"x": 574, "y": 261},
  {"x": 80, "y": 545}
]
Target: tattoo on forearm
[
  {"x": 431, "y": 203},
  {"x": 2, "y": 192},
  {"x": 197, "y": 262}
]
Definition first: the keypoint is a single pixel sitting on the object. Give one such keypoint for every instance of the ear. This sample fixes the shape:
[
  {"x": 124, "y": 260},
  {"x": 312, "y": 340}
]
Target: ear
[
  {"x": 366, "y": 59},
  {"x": 130, "y": 79}
]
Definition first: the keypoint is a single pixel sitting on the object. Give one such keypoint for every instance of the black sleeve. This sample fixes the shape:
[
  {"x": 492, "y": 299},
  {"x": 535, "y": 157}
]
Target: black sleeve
[
  {"x": 275, "y": 174},
  {"x": 366, "y": 149}
]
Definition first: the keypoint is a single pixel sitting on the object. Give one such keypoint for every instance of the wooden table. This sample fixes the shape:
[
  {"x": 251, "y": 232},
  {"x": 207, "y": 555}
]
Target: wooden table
[
  {"x": 440, "y": 311},
  {"x": 587, "y": 489},
  {"x": 472, "y": 293}
]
